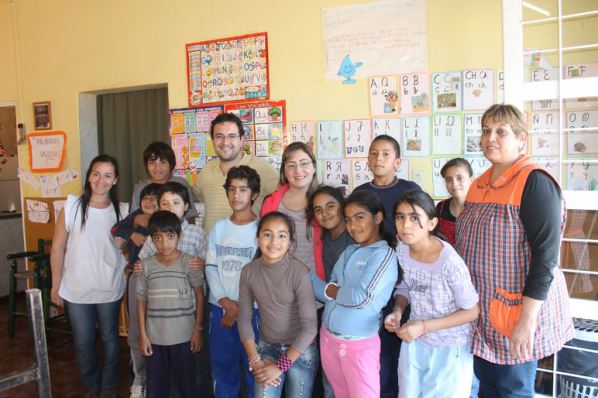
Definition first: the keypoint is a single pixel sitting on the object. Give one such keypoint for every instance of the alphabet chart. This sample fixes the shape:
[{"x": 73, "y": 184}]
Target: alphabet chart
[
  {"x": 415, "y": 93},
  {"x": 358, "y": 136},
  {"x": 336, "y": 172},
  {"x": 478, "y": 89},
  {"x": 472, "y": 131},
  {"x": 582, "y": 137},
  {"x": 446, "y": 91},
  {"x": 416, "y": 136},
  {"x": 384, "y": 95},
  {"x": 233, "y": 69},
  {"x": 544, "y": 133},
  {"x": 330, "y": 139},
  {"x": 447, "y": 135},
  {"x": 387, "y": 126}
]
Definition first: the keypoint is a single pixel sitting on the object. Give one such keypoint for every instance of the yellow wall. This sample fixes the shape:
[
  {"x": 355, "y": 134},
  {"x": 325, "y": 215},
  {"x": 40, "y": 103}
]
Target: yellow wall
[{"x": 67, "y": 47}]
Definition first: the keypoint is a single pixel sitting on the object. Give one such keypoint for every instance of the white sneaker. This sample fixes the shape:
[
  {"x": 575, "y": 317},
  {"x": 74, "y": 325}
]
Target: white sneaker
[{"x": 137, "y": 391}]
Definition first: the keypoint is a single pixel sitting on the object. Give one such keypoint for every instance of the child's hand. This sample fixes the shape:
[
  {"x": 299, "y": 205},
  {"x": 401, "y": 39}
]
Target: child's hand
[
  {"x": 227, "y": 321},
  {"x": 141, "y": 220},
  {"x": 231, "y": 307},
  {"x": 196, "y": 340},
  {"x": 145, "y": 346},
  {"x": 268, "y": 375},
  {"x": 390, "y": 322},
  {"x": 137, "y": 268},
  {"x": 411, "y": 330},
  {"x": 197, "y": 263},
  {"x": 138, "y": 239},
  {"x": 120, "y": 242}
]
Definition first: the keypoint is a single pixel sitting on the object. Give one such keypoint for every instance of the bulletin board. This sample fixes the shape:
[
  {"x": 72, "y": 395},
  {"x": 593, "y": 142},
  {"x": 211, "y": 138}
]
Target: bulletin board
[
  {"x": 39, "y": 215},
  {"x": 233, "y": 69}
]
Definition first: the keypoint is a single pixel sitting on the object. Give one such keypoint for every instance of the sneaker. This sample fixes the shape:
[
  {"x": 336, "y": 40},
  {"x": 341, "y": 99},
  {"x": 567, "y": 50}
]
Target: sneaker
[{"x": 137, "y": 391}]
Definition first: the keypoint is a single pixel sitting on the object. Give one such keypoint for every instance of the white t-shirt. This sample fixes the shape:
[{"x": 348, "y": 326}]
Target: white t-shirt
[
  {"x": 230, "y": 248},
  {"x": 93, "y": 265}
]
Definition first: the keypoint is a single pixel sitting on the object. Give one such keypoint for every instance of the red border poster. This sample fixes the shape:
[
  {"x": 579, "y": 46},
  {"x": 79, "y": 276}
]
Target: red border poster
[{"x": 228, "y": 70}]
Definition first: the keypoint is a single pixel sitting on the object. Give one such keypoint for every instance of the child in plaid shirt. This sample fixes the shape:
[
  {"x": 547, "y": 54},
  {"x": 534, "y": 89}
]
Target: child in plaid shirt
[{"x": 436, "y": 360}]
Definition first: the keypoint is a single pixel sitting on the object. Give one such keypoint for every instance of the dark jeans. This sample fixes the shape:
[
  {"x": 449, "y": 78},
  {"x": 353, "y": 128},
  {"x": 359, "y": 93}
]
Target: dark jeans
[
  {"x": 83, "y": 319},
  {"x": 513, "y": 381},
  {"x": 171, "y": 360}
]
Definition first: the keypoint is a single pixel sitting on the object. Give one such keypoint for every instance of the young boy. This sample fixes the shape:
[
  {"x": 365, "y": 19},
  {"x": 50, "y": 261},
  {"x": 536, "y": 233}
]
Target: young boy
[
  {"x": 132, "y": 236},
  {"x": 159, "y": 161},
  {"x": 384, "y": 158},
  {"x": 232, "y": 245},
  {"x": 170, "y": 311},
  {"x": 122, "y": 230},
  {"x": 173, "y": 197}
]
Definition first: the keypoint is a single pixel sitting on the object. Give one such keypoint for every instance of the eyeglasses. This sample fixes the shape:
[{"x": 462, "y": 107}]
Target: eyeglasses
[
  {"x": 230, "y": 137},
  {"x": 304, "y": 164}
]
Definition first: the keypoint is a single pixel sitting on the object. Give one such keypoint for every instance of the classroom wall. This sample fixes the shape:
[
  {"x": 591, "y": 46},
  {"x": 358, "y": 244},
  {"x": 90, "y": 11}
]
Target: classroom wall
[{"x": 69, "y": 47}]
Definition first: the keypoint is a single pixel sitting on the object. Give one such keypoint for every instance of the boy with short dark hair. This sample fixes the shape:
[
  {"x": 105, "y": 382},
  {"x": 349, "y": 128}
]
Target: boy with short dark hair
[
  {"x": 232, "y": 245},
  {"x": 170, "y": 311}
]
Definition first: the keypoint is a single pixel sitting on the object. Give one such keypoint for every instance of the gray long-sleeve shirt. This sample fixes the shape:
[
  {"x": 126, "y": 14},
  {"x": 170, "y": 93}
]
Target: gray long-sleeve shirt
[{"x": 286, "y": 302}]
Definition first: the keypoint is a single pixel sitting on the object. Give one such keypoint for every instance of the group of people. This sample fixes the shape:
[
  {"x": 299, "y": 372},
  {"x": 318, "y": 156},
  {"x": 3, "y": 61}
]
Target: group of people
[{"x": 378, "y": 294}]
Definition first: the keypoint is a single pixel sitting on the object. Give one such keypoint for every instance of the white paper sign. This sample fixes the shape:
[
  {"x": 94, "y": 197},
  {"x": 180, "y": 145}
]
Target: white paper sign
[
  {"x": 437, "y": 179},
  {"x": 336, "y": 172},
  {"x": 303, "y": 131},
  {"x": 446, "y": 91},
  {"x": 27, "y": 177},
  {"x": 384, "y": 95},
  {"x": 551, "y": 164},
  {"x": 581, "y": 141},
  {"x": 500, "y": 87},
  {"x": 478, "y": 89},
  {"x": 58, "y": 205},
  {"x": 415, "y": 93},
  {"x": 416, "y": 136},
  {"x": 386, "y": 37},
  {"x": 479, "y": 165},
  {"x": 361, "y": 173},
  {"x": 37, "y": 212},
  {"x": 47, "y": 151},
  {"x": 472, "y": 131},
  {"x": 447, "y": 135},
  {"x": 403, "y": 171},
  {"x": 330, "y": 139},
  {"x": 582, "y": 176},
  {"x": 50, "y": 186},
  {"x": 543, "y": 75},
  {"x": 544, "y": 133},
  {"x": 358, "y": 135},
  {"x": 387, "y": 126},
  {"x": 261, "y": 149}
]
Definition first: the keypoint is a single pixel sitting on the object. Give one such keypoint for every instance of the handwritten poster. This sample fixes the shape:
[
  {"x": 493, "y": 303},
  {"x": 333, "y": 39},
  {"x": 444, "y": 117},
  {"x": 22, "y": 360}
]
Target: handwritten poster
[
  {"x": 358, "y": 136},
  {"x": 46, "y": 151},
  {"x": 478, "y": 165},
  {"x": 262, "y": 149},
  {"x": 550, "y": 164},
  {"x": 446, "y": 91},
  {"x": 544, "y": 133},
  {"x": 472, "y": 131},
  {"x": 360, "y": 172},
  {"x": 387, "y": 126},
  {"x": 49, "y": 186},
  {"x": 544, "y": 75},
  {"x": 302, "y": 131},
  {"x": 37, "y": 211},
  {"x": 581, "y": 140},
  {"x": 416, "y": 136},
  {"x": 384, "y": 95},
  {"x": 387, "y": 37},
  {"x": 447, "y": 135},
  {"x": 336, "y": 172},
  {"x": 330, "y": 139},
  {"x": 478, "y": 89},
  {"x": 415, "y": 93},
  {"x": 403, "y": 171},
  {"x": 582, "y": 176},
  {"x": 437, "y": 179},
  {"x": 500, "y": 87},
  {"x": 28, "y": 178},
  {"x": 232, "y": 69}
]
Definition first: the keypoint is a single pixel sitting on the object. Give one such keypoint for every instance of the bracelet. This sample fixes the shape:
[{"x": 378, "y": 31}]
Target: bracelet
[
  {"x": 424, "y": 325},
  {"x": 326, "y": 288},
  {"x": 284, "y": 363}
]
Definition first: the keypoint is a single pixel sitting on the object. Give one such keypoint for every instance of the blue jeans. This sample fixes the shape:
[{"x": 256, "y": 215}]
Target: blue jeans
[
  {"x": 513, "y": 381},
  {"x": 227, "y": 355},
  {"x": 83, "y": 319},
  {"x": 298, "y": 380}
]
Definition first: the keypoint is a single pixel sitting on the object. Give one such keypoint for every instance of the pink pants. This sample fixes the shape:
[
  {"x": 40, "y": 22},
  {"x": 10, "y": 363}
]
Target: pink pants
[{"x": 351, "y": 366}]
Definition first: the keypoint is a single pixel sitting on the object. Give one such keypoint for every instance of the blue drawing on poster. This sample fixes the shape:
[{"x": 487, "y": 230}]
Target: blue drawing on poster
[{"x": 348, "y": 69}]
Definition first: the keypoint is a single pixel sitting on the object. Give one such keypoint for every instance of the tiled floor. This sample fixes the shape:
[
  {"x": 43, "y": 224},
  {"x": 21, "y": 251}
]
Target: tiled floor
[{"x": 17, "y": 353}]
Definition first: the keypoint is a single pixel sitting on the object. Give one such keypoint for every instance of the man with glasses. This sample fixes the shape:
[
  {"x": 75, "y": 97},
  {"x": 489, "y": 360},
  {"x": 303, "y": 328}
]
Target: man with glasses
[{"x": 226, "y": 131}]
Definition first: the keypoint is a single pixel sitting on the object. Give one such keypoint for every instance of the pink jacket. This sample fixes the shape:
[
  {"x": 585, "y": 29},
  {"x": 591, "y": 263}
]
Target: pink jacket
[{"x": 272, "y": 202}]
